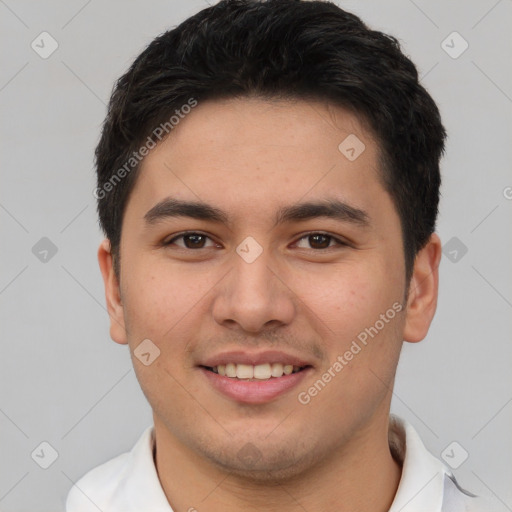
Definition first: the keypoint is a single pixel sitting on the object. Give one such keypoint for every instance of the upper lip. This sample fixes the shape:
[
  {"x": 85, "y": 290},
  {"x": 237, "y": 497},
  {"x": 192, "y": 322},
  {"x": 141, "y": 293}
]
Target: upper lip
[{"x": 244, "y": 357}]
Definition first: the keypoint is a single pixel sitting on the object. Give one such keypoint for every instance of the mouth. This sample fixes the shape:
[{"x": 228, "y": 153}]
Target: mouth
[
  {"x": 249, "y": 372},
  {"x": 258, "y": 383}
]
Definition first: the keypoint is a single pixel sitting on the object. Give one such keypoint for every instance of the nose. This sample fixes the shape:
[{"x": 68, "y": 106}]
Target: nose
[{"x": 254, "y": 295}]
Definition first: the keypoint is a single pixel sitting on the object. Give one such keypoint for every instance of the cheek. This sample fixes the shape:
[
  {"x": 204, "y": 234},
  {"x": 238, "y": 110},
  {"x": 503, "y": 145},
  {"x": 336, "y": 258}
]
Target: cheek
[
  {"x": 345, "y": 299},
  {"x": 151, "y": 300},
  {"x": 162, "y": 300}
]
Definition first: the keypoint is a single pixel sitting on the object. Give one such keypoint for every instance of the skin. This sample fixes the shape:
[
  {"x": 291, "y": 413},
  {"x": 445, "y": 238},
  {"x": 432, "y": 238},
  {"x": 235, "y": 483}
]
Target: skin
[{"x": 250, "y": 157}]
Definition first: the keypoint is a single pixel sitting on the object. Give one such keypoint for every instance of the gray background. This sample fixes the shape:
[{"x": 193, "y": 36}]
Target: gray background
[{"x": 65, "y": 382}]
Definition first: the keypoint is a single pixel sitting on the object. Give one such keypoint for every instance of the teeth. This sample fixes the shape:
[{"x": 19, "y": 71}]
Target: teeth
[
  {"x": 277, "y": 370},
  {"x": 261, "y": 371},
  {"x": 244, "y": 371},
  {"x": 231, "y": 370}
]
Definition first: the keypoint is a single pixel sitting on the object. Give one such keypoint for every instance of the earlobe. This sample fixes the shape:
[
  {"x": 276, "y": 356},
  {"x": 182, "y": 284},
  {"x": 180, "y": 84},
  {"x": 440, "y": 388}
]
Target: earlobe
[
  {"x": 423, "y": 291},
  {"x": 112, "y": 293}
]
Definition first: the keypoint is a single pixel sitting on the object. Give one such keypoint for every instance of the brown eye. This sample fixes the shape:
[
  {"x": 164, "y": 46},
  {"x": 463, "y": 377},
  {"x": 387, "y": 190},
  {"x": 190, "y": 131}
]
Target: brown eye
[
  {"x": 320, "y": 241},
  {"x": 194, "y": 241},
  {"x": 190, "y": 241}
]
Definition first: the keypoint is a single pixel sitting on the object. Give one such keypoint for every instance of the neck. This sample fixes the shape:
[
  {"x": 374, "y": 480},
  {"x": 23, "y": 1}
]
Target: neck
[{"x": 363, "y": 476}]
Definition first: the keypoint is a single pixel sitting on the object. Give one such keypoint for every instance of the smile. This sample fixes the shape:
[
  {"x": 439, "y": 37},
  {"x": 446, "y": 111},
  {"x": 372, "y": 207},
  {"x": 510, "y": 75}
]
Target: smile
[
  {"x": 258, "y": 384},
  {"x": 255, "y": 372}
]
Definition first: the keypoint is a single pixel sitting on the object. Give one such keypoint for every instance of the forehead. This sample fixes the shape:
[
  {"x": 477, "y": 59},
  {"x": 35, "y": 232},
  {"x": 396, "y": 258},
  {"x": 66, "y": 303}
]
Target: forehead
[
  {"x": 244, "y": 154},
  {"x": 250, "y": 123}
]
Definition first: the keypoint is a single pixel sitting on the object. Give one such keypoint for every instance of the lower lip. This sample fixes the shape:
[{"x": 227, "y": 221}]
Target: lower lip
[{"x": 254, "y": 392}]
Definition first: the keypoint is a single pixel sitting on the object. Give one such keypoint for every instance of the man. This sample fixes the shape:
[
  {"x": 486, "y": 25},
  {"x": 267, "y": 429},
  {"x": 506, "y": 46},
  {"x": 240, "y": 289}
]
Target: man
[{"x": 268, "y": 183}]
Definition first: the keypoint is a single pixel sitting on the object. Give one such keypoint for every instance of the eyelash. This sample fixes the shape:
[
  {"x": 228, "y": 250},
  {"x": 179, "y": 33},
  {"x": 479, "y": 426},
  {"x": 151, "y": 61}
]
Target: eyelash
[{"x": 339, "y": 242}]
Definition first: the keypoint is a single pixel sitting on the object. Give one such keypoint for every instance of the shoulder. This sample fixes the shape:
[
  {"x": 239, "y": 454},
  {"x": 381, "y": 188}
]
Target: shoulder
[
  {"x": 426, "y": 482},
  {"x": 103, "y": 486},
  {"x": 97, "y": 487},
  {"x": 457, "y": 499}
]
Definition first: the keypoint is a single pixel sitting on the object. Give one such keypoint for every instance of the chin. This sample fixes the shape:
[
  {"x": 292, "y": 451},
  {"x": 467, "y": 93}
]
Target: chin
[{"x": 263, "y": 465}]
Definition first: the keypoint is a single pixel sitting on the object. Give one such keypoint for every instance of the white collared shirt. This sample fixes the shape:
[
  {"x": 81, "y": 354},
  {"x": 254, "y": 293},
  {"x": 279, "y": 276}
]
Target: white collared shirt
[{"x": 130, "y": 483}]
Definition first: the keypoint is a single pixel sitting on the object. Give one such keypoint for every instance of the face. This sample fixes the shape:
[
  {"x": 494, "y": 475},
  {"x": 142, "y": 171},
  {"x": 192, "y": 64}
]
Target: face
[{"x": 289, "y": 260}]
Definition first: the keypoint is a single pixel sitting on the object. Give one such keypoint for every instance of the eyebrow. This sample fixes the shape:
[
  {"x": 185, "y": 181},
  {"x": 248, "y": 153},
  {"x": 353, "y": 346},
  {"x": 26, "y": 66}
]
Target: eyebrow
[{"x": 330, "y": 208}]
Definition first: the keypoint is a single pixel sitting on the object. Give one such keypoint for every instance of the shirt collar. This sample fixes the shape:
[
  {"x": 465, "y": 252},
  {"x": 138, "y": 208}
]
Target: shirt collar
[
  {"x": 421, "y": 486},
  {"x": 141, "y": 488}
]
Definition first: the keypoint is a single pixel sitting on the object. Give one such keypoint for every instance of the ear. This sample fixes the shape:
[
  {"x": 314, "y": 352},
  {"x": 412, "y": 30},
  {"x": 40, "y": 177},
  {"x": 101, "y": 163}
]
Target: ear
[
  {"x": 112, "y": 293},
  {"x": 423, "y": 290}
]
